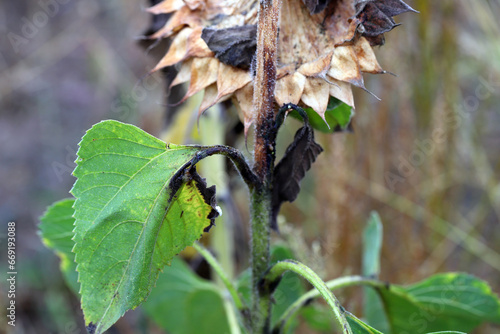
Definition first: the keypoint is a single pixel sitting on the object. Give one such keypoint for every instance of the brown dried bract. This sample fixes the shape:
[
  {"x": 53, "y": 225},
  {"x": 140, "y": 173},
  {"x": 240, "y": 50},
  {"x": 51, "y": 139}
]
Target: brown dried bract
[{"x": 324, "y": 47}]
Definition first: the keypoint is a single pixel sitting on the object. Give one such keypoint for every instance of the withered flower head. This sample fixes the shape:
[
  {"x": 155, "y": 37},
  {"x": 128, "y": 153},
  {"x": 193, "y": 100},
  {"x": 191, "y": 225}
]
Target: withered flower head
[{"x": 324, "y": 47}]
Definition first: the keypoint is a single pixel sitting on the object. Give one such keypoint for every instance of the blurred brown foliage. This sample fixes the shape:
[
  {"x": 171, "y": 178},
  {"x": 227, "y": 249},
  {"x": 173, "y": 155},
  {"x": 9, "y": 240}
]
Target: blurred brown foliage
[{"x": 425, "y": 157}]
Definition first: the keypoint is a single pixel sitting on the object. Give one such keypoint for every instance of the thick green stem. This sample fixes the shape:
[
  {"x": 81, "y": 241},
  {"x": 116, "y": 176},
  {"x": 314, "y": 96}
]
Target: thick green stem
[
  {"x": 261, "y": 303},
  {"x": 337, "y": 283},
  {"x": 275, "y": 273}
]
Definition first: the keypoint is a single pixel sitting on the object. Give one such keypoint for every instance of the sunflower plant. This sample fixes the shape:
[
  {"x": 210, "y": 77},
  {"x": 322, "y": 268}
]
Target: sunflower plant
[{"x": 138, "y": 201}]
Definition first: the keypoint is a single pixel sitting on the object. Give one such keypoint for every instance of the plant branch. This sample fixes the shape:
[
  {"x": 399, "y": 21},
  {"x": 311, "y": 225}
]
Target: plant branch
[
  {"x": 337, "y": 283},
  {"x": 236, "y": 158},
  {"x": 232, "y": 319},
  {"x": 240, "y": 305},
  {"x": 274, "y": 275}
]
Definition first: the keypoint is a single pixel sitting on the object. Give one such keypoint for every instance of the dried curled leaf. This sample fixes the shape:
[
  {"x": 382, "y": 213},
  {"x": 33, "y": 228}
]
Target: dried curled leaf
[
  {"x": 233, "y": 46},
  {"x": 375, "y": 17},
  {"x": 292, "y": 168}
]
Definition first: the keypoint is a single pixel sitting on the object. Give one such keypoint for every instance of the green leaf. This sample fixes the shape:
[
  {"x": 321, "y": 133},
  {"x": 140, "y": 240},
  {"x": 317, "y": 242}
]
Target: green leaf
[
  {"x": 318, "y": 317},
  {"x": 373, "y": 309},
  {"x": 138, "y": 203},
  {"x": 182, "y": 303},
  {"x": 359, "y": 327},
  {"x": 444, "y": 302},
  {"x": 337, "y": 115},
  {"x": 179, "y": 295},
  {"x": 56, "y": 231},
  {"x": 290, "y": 287}
]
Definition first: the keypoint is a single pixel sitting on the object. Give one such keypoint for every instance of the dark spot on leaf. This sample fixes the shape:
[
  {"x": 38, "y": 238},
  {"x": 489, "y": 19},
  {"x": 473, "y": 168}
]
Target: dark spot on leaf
[
  {"x": 182, "y": 213},
  {"x": 91, "y": 328},
  {"x": 233, "y": 46},
  {"x": 292, "y": 168}
]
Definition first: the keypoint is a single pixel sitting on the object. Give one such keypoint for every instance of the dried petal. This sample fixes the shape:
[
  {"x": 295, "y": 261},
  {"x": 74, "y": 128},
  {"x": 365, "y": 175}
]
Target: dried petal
[
  {"x": 316, "y": 94},
  {"x": 209, "y": 99},
  {"x": 184, "y": 73},
  {"x": 344, "y": 66},
  {"x": 196, "y": 47},
  {"x": 289, "y": 89},
  {"x": 244, "y": 96},
  {"x": 203, "y": 74},
  {"x": 182, "y": 17},
  {"x": 166, "y": 6},
  {"x": 366, "y": 57},
  {"x": 342, "y": 91},
  {"x": 177, "y": 50},
  {"x": 230, "y": 79},
  {"x": 317, "y": 67},
  {"x": 194, "y": 4}
]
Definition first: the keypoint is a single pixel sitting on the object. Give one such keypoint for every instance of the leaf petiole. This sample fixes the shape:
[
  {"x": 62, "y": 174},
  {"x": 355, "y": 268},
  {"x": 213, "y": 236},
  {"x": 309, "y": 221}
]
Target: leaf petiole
[{"x": 212, "y": 261}]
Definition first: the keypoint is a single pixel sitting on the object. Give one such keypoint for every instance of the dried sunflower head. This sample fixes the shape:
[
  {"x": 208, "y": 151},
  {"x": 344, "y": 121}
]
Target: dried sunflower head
[{"x": 324, "y": 47}]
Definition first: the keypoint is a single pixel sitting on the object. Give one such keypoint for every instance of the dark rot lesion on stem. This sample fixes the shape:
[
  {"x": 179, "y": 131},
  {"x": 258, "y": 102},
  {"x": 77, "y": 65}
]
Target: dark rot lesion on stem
[{"x": 265, "y": 83}]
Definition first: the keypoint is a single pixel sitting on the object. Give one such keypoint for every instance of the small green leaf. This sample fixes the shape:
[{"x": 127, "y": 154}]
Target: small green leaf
[
  {"x": 337, "y": 115},
  {"x": 56, "y": 231},
  {"x": 182, "y": 303},
  {"x": 444, "y": 302},
  {"x": 290, "y": 287},
  {"x": 138, "y": 203},
  {"x": 373, "y": 309},
  {"x": 359, "y": 327}
]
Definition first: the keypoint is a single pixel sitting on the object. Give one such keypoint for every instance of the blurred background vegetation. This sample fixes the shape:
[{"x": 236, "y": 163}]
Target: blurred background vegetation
[{"x": 426, "y": 157}]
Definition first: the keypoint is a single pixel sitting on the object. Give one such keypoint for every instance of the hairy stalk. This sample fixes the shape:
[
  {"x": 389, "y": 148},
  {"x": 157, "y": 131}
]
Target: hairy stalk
[
  {"x": 238, "y": 302},
  {"x": 265, "y": 140}
]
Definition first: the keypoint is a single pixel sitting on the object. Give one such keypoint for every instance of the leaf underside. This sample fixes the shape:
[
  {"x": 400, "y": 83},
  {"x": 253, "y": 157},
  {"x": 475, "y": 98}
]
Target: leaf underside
[
  {"x": 180, "y": 301},
  {"x": 138, "y": 204}
]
